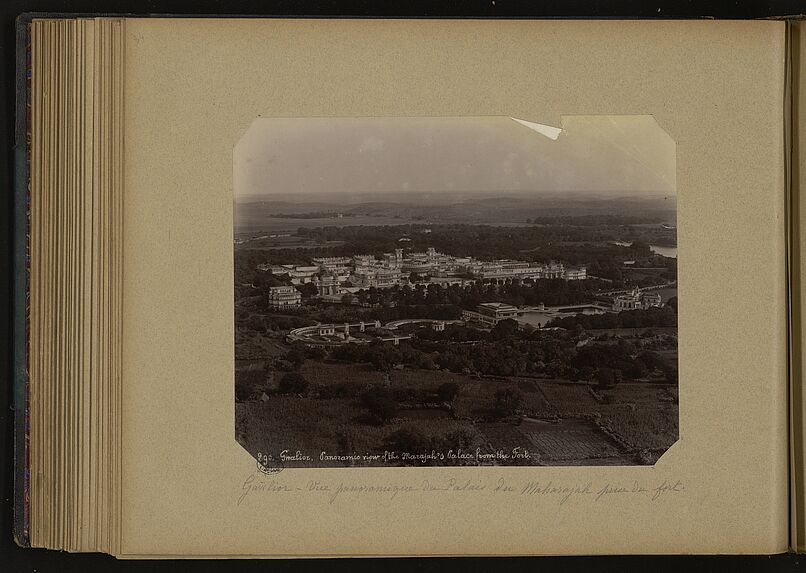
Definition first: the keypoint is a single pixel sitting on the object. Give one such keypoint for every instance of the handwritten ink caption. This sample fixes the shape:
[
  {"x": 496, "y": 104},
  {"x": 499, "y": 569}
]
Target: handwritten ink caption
[{"x": 562, "y": 493}]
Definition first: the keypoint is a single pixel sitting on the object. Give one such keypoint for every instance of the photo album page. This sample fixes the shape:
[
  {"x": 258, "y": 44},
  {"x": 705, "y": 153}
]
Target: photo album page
[{"x": 453, "y": 287}]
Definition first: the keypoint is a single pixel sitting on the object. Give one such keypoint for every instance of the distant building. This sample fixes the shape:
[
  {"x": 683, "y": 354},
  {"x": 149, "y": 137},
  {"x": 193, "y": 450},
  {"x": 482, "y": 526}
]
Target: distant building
[
  {"x": 506, "y": 269},
  {"x": 651, "y": 299},
  {"x": 284, "y": 297},
  {"x": 335, "y": 265},
  {"x": 326, "y": 330},
  {"x": 498, "y": 310},
  {"x": 298, "y": 274},
  {"x": 491, "y": 313},
  {"x": 553, "y": 270},
  {"x": 329, "y": 285},
  {"x": 303, "y": 275},
  {"x": 366, "y": 277},
  {"x": 576, "y": 273},
  {"x": 332, "y": 276},
  {"x": 448, "y": 281},
  {"x": 637, "y": 300}
]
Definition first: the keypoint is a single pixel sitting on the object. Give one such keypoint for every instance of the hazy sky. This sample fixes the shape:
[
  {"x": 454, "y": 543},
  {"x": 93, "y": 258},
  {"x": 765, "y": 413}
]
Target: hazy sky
[{"x": 613, "y": 155}]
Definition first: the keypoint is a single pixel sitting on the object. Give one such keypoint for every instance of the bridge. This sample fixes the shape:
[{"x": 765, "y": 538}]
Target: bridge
[
  {"x": 395, "y": 340},
  {"x": 325, "y": 335},
  {"x": 305, "y": 333},
  {"x": 397, "y": 323}
]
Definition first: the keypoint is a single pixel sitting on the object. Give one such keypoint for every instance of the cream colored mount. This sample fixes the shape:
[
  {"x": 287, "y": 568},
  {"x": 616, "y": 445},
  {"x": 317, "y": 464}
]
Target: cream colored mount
[
  {"x": 716, "y": 85},
  {"x": 75, "y": 283}
]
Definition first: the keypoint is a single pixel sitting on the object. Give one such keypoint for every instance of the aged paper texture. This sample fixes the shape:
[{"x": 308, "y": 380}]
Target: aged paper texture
[{"x": 192, "y": 89}]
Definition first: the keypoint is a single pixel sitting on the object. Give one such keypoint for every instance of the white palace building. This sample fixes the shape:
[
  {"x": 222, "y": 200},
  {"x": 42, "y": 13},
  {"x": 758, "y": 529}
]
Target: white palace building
[
  {"x": 490, "y": 313},
  {"x": 284, "y": 297},
  {"x": 335, "y": 276},
  {"x": 636, "y": 300}
]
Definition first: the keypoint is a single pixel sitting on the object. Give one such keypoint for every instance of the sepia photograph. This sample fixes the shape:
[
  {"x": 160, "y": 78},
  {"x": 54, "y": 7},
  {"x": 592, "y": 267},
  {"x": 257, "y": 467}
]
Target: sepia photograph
[{"x": 455, "y": 291}]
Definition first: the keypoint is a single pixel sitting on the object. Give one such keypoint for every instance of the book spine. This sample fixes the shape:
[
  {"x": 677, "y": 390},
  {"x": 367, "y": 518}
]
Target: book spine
[{"x": 797, "y": 285}]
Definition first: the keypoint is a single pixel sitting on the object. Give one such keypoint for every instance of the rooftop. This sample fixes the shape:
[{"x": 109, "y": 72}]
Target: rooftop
[{"x": 497, "y": 305}]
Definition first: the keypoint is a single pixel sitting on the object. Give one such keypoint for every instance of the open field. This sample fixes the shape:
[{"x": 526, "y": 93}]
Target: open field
[
  {"x": 333, "y": 426},
  {"x": 329, "y": 373},
  {"x": 641, "y": 332},
  {"x": 559, "y": 422},
  {"x": 572, "y": 441}
]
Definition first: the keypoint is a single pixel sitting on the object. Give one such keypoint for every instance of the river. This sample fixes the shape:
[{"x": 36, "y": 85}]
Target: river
[
  {"x": 540, "y": 318},
  {"x": 670, "y": 252}
]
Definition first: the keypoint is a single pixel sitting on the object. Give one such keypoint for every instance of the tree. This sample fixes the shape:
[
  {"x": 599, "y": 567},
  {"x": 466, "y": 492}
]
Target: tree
[
  {"x": 248, "y": 383},
  {"x": 652, "y": 360},
  {"x": 448, "y": 391},
  {"x": 315, "y": 353},
  {"x": 381, "y": 356},
  {"x": 293, "y": 383},
  {"x": 586, "y": 373},
  {"x": 641, "y": 248},
  {"x": 284, "y": 365},
  {"x": 507, "y": 401},
  {"x": 505, "y": 328},
  {"x": 296, "y": 356},
  {"x": 408, "y": 439},
  {"x": 307, "y": 289},
  {"x": 670, "y": 375},
  {"x": 605, "y": 377},
  {"x": 427, "y": 363},
  {"x": 380, "y": 402},
  {"x": 638, "y": 369}
]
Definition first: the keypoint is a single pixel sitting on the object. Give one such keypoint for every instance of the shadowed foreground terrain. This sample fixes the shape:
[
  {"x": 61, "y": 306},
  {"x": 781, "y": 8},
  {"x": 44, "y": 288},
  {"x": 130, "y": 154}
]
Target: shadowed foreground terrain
[{"x": 557, "y": 423}]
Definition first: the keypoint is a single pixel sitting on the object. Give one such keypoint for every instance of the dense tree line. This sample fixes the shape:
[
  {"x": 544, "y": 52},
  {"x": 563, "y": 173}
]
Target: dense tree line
[
  {"x": 665, "y": 316},
  {"x": 591, "y": 244},
  {"x": 507, "y": 351},
  {"x": 249, "y": 280},
  {"x": 598, "y": 220},
  {"x": 267, "y": 323},
  {"x": 312, "y": 215},
  {"x": 552, "y": 292}
]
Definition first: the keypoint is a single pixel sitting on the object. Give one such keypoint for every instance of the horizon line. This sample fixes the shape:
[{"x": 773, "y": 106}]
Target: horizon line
[{"x": 491, "y": 194}]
